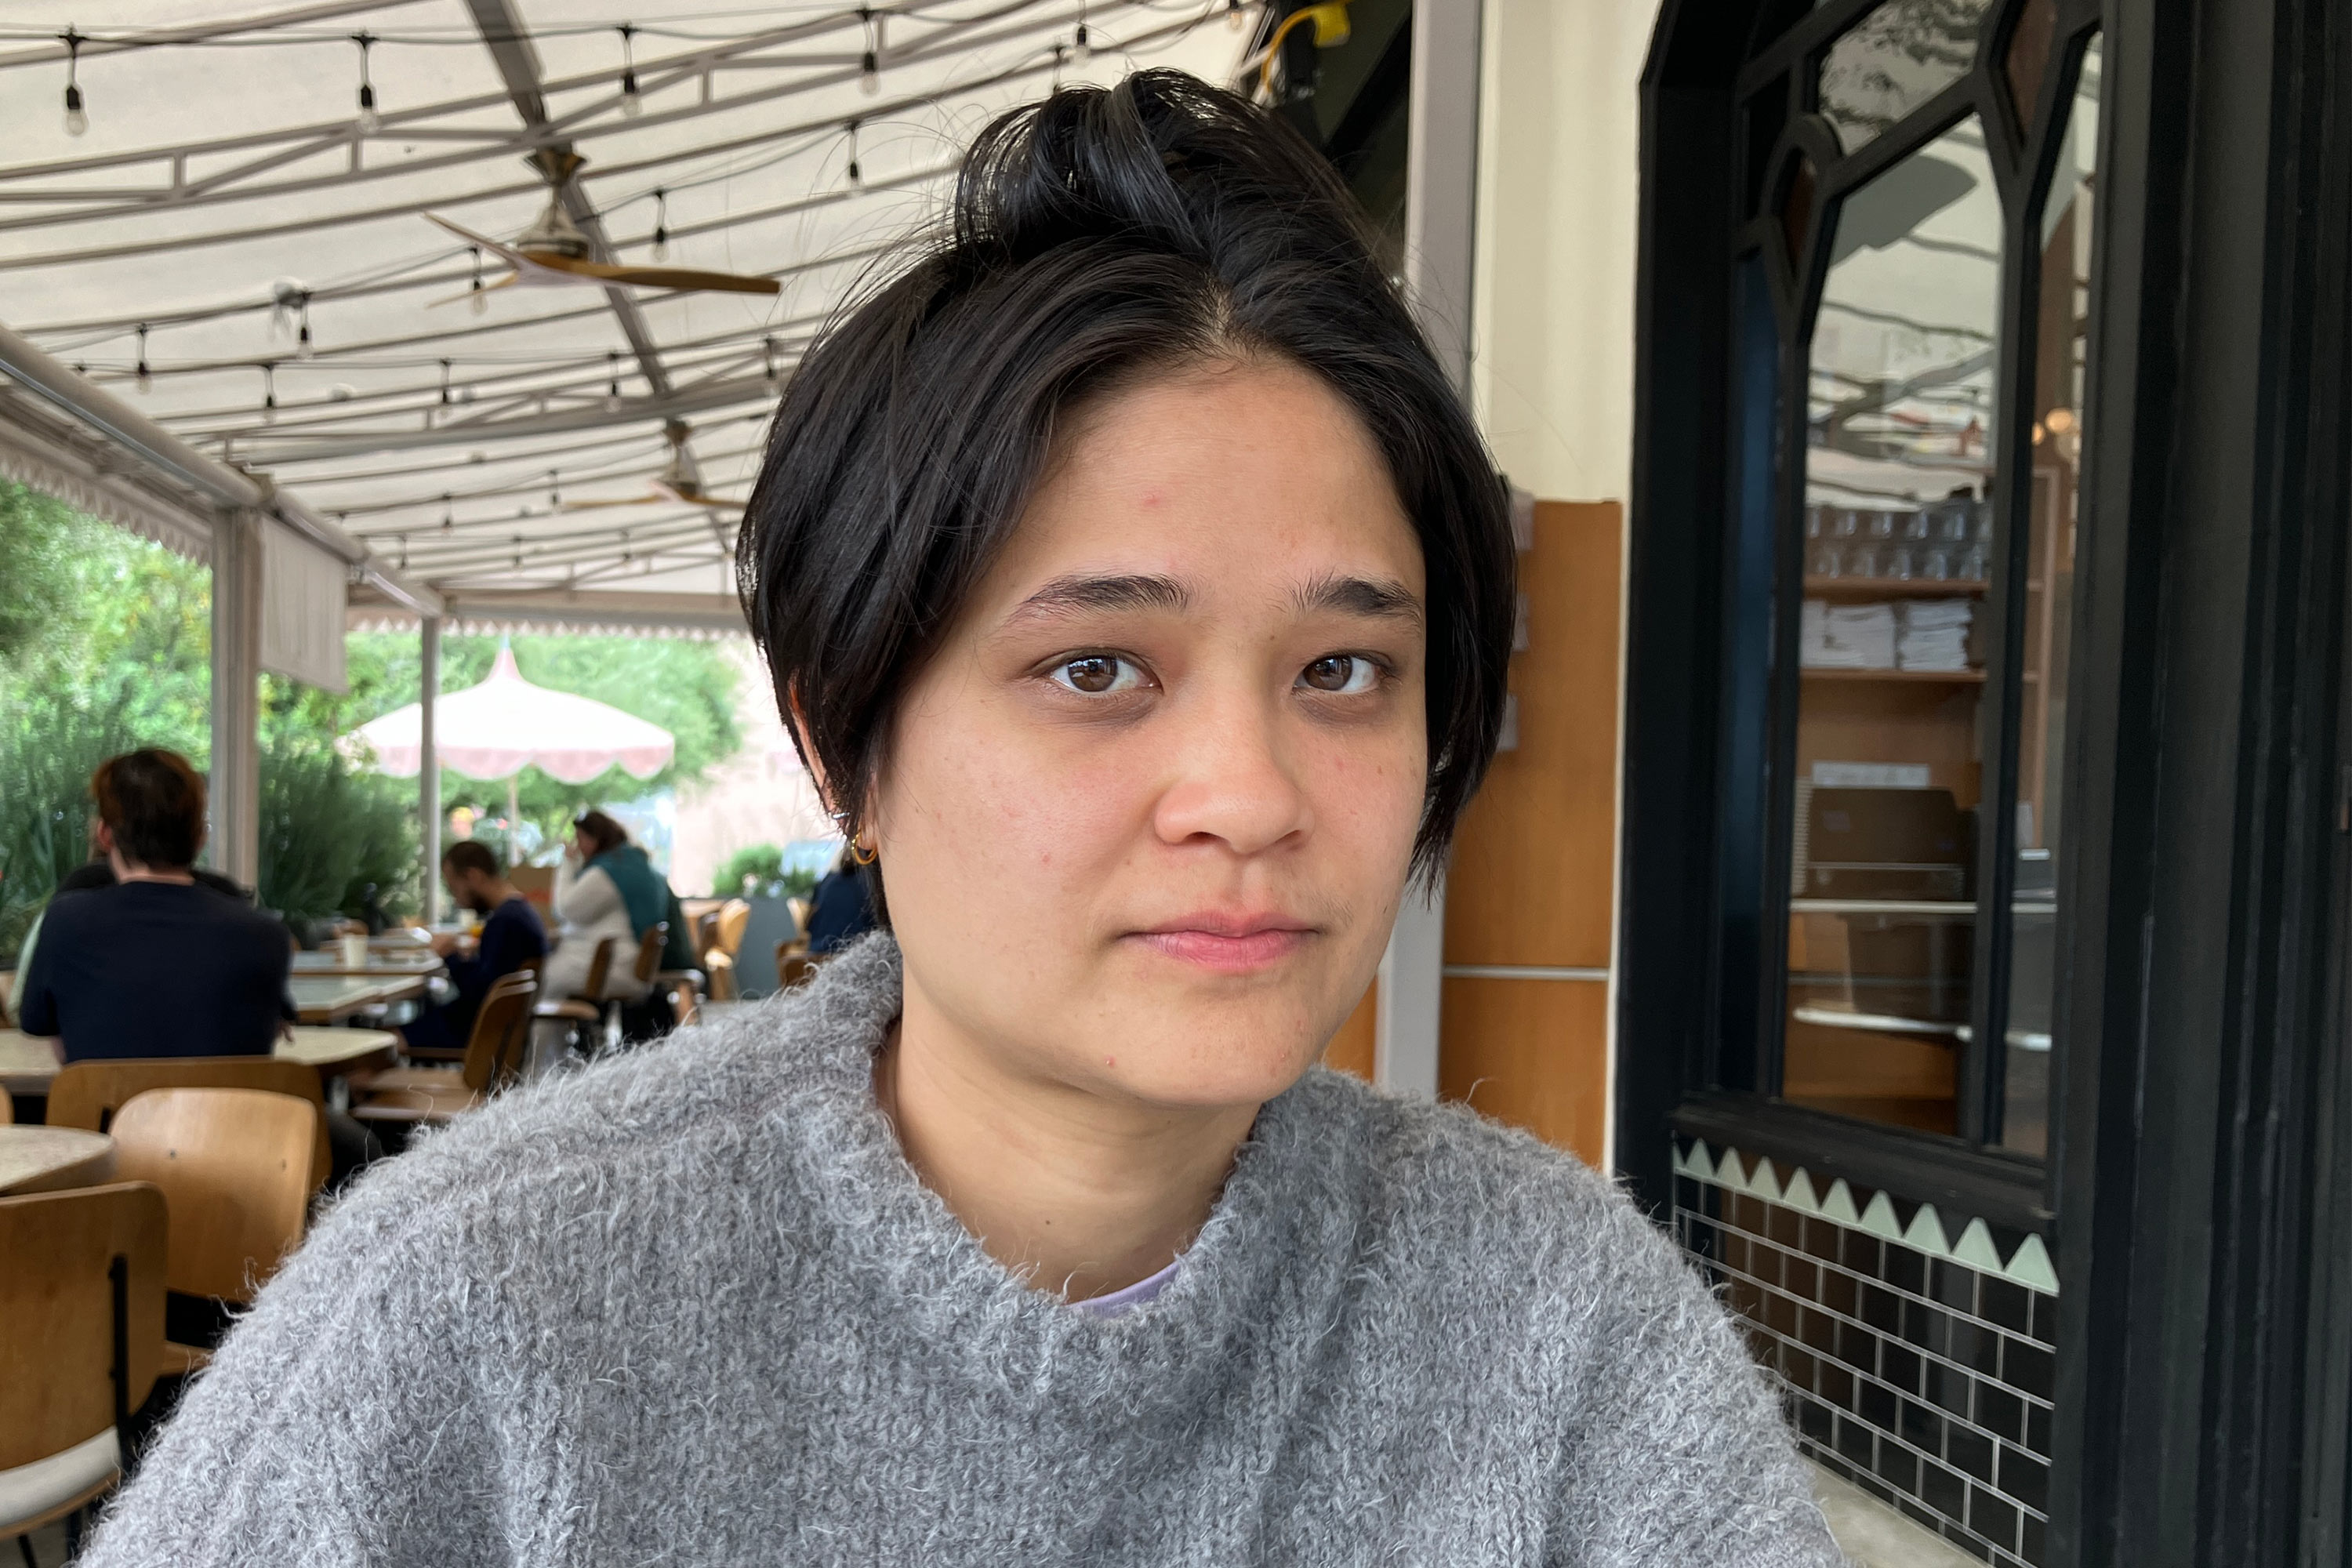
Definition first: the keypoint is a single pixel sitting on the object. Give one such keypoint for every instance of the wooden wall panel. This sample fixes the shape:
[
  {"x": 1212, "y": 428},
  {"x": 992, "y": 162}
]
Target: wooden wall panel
[
  {"x": 1534, "y": 1053},
  {"x": 1351, "y": 1048},
  {"x": 1534, "y": 861}
]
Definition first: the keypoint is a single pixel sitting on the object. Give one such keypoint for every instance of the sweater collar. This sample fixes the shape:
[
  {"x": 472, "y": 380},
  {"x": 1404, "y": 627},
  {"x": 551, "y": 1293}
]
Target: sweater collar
[{"x": 1247, "y": 1268}]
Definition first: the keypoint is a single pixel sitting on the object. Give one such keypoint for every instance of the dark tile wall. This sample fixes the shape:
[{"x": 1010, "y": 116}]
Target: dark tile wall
[{"x": 1922, "y": 1379}]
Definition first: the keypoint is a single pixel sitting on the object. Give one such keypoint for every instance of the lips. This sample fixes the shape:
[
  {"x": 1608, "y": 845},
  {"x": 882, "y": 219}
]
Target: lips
[{"x": 1228, "y": 944}]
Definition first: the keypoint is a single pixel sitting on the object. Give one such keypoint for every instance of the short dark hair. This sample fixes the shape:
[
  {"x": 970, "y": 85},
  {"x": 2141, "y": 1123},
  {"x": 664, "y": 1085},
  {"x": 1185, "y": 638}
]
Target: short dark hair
[
  {"x": 601, "y": 830},
  {"x": 470, "y": 854},
  {"x": 153, "y": 801},
  {"x": 1098, "y": 238}
]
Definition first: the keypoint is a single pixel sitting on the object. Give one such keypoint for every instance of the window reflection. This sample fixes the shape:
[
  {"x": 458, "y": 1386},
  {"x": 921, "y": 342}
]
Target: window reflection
[
  {"x": 1898, "y": 546},
  {"x": 2057, "y": 449},
  {"x": 1894, "y": 60}
]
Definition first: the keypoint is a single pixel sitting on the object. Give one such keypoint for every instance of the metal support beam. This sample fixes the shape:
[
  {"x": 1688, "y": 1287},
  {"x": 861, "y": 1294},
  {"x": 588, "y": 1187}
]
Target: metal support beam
[
  {"x": 236, "y": 783},
  {"x": 428, "y": 768},
  {"x": 1440, "y": 182},
  {"x": 123, "y": 426}
]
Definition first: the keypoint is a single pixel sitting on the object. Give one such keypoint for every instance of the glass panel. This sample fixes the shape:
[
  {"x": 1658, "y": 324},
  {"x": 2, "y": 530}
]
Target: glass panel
[
  {"x": 1894, "y": 60},
  {"x": 2059, "y": 417},
  {"x": 1897, "y": 538}
]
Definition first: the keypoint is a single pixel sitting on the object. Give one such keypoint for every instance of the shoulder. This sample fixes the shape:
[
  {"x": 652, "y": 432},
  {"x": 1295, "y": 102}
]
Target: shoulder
[{"x": 1466, "y": 1204}]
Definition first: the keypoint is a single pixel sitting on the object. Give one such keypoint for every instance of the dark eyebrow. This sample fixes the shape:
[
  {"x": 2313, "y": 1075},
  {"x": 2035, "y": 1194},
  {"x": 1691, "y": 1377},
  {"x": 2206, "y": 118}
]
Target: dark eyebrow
[
  {"x": 1381, "y": 598},
  {"x": 1077, "y": 594}
]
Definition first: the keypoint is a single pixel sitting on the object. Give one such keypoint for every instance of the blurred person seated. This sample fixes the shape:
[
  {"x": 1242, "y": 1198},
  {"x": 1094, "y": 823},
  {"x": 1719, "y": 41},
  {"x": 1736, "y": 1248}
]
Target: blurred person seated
[
  {"x": 511, "y": 936},
  {"x": 841, "y": 910},
  {"x": 157, "y": 963},
  {"x": 153, "y": 961},
  {"x": 96, "y": 872},
  {"x": 605, "y": 887}
]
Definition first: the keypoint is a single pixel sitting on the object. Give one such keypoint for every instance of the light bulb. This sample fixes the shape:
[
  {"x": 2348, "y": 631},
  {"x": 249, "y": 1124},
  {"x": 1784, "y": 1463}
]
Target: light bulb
[
  {"x": 1085, "y": 51},
  {"x": 480, "y": 301},
  {"x": 1234, "y": 15},
  {"x": 370, "y": 121},
  {"x": 77, "y": 121},
  {"x": 661, "y": 245},
  {"x": 869, "y": 76},
  {"x": 144, "y": 381},
  {"x": 632, "y": 102}
]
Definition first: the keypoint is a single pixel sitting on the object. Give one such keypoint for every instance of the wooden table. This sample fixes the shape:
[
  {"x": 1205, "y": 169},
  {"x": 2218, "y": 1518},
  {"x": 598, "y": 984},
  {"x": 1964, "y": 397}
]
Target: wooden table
[
  {"x": 51, "y": 1159},
  {"x": 27, "y": 1064},
  {"x": 331, "y": 998}
]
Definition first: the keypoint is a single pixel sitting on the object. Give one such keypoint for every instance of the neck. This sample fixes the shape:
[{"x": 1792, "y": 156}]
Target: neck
[
  {"x": 494, "y": 895},
  {"x": 1082, "y": 1195},
  {"x": 127, "y": 870}
]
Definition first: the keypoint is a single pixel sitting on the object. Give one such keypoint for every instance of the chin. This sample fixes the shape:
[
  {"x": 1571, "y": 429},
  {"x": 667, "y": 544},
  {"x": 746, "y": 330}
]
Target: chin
[{"x": 1210, "y": 1056}]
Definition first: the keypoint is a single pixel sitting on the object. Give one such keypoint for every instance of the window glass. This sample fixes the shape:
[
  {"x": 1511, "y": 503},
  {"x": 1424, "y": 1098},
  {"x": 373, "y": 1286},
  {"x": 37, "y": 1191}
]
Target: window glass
[
  {"x": 1897, "y": 546},
  {"x": 2057, "y": 450},
  {"x": 1894, "y": 60}
]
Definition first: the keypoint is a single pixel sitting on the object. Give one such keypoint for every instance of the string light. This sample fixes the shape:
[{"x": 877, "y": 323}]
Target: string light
[
  {"x": 369, "y": 122},
  {"x": 449, "y": 513},
  {"x": 269, "y": 391},
  {"x": 856, "y": 178},
  {"x": 479, "y": 301},
  {"x": 632, "y": 102},
  {"x": 869, "y": 64},
  {"x": 444, "y": 384},
  {"x": 517, "y": 541},
  {"x": 404, "y": 552},
  {"x": 302, "y": 328},
  {"x": 142, "y": 377},
  {"x": 613, "y": 389},
  {"x": 1081, "y": 47},
  {"x": 76, "y": 120},
  {"x": 661, "y": 225},
  {"x": 768, "y": 358}
]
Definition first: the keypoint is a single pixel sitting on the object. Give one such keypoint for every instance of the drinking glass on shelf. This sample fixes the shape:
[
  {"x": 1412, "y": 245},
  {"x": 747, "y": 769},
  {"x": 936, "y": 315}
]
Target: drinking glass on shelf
[
  {"x": 1900, "y": 564},
  {"x": 1913, "y": 527}
]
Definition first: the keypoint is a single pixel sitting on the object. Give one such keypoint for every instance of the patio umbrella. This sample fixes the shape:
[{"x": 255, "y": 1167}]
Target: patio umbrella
[{"x": 496, "y": 730}]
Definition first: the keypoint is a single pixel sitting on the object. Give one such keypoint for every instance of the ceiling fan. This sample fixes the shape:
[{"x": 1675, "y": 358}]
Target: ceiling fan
[
  {"x": 677, "y": 485},
  {"x": 553, "y": 250}
]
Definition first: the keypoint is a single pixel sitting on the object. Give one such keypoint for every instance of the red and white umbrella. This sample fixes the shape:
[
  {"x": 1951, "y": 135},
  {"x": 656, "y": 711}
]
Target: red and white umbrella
[{"x": 496, "y": 730}]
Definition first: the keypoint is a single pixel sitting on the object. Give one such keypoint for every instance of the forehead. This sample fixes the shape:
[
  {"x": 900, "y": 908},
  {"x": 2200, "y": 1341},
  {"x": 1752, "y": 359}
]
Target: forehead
[{"x": 1241, "y": 479}]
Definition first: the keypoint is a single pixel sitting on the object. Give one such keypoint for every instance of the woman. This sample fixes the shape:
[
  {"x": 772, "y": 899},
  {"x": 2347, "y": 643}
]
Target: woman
[
  {"x": 1140, "y": 597},
  {"x": 605, "y": 888}
]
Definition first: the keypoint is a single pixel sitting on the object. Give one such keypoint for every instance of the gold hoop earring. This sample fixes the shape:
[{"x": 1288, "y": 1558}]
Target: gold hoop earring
[{"x": 859, "y": 853}]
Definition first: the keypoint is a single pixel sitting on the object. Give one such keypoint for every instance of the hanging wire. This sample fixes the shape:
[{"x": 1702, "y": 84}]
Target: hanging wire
[
  {"x": 632, "y": 102},
  {"x": 477, "y": 301},
  {"x": 268, "y": 391},
  {"x": 613, "y": 387},
  {"x": 145, "y": 378},
  {"x": 554, "y": 494},
  {"x": 661, "y": 224},
  {"x": 855, "y": 177},
  {"x": 444, "y": 384},
  {"x": 76, "y": 120},
  {"x": 1079, "y": 45},
  {"x": 369, "y": 122},
  {"x": 448, "y": 513},
  {"x": 869, "y": 64},
  {"x": 768, "y": 358},
  {"x": 303, "y": 330}
]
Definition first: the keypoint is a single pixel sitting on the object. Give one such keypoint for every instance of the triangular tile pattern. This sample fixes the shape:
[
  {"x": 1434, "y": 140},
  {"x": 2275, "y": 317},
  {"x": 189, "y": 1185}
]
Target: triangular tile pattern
[{"x": 2028, "y": 1266}]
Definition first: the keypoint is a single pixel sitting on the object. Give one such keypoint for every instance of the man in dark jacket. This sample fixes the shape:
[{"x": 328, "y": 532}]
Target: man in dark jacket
[{"x": 512, "y": 935}]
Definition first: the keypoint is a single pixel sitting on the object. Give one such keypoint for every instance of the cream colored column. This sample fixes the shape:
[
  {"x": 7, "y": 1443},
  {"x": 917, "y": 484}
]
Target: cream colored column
[{"x": 235, "y": 785}]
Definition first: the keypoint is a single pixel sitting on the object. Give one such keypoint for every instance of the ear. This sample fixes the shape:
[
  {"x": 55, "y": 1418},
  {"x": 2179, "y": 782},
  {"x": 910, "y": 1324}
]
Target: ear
[{"x": 103, "y": 837}]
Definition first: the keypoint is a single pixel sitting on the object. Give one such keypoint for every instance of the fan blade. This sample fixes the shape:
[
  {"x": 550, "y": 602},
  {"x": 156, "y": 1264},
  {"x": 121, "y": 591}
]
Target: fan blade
[
  {"x": 599, "y": 505},
  {"x": 680, "y": 277},
  {"x": 508, "y": 253},
  {"x": 696, "y": 498}
]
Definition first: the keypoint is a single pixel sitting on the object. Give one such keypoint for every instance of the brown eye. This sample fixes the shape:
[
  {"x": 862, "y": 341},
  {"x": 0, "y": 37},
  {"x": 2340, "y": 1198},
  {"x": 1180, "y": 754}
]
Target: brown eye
[
  {"x": 1098, "y": 673},
  {"x": 1341, "y": 673}
]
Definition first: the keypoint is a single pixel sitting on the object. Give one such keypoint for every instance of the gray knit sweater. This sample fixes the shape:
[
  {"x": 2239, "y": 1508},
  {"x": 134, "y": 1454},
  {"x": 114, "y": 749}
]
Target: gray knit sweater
[{"x": 693, "y": 1306}]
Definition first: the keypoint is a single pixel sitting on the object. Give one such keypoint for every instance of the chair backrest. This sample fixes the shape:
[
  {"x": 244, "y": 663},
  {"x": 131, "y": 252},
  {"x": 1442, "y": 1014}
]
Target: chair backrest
[
  {"x": 649, "y": 951},
  {"x": 685, "y": 1003},
  {"x": 88, "y": 1094},
  {"x": 599, "y": 968},
  {"x": 493, "y": 1050},
  {"x": 794, "y": 966},
  {"x": 7, "y": 1108},
  {"x": 57, "y": 1297},
  {"x": 706, "y": 932},
  {"x": 234, "y": 1167},
  {"x": 733, "y": 916},
  {"x": 7, "y": 983}
]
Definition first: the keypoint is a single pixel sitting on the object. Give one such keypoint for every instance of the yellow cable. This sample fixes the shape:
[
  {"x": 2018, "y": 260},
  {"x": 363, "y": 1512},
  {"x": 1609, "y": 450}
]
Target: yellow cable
[{"x": 1330, "y": 20}]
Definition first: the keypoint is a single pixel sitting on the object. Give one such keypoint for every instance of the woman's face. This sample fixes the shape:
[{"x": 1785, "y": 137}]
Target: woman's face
[{"x": 1145, "y": 817}]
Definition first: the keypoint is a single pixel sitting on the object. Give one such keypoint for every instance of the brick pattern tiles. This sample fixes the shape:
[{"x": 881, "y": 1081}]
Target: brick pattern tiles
[{"x": 1923, "y": 1379}]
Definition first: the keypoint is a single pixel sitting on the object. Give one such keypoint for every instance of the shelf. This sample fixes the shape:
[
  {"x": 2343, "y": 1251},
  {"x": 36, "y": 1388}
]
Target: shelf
[
  {"x": 1910, "y": 677},
  {"x": 1894, "y": 588}
]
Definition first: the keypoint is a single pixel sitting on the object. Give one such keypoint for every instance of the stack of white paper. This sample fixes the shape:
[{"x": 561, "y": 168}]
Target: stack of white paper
[
  {"x": 1935, "y": 634},
  {"x": 1846, "y": 637}
]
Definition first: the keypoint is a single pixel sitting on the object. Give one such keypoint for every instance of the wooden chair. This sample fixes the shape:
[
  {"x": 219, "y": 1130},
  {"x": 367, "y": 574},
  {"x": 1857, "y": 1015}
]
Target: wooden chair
[
  {"x": 7, "y": 983},
  {"x": 81, "y": 1293},
  {"x": 733, "y": 916},
  {"x": 235, "y": 1168},
  {"x": 494, "y": 1052},
  {"x": 88, "y": 1094},
  {"x": 793, "y": 964},
  {"x": 7, "y": 1108}
]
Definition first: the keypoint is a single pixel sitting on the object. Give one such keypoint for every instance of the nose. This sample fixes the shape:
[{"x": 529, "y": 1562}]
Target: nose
[{"x": 1231, "y": 780}]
